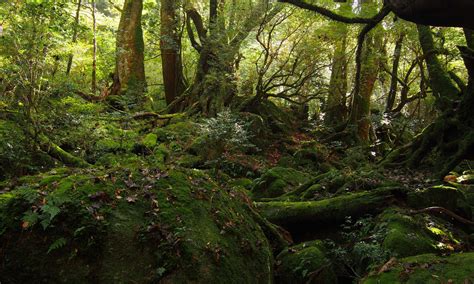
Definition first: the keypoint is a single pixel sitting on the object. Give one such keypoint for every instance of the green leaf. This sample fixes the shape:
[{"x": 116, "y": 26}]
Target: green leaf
[
  {"x": 51, "y": 210},
  {"x": 59, "y": 243},
  {"x": 30, "y": 217}
]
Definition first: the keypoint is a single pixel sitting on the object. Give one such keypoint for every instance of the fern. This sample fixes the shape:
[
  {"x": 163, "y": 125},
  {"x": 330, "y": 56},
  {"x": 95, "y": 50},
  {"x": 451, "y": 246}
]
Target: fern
[{"x": 57, "y": 244}]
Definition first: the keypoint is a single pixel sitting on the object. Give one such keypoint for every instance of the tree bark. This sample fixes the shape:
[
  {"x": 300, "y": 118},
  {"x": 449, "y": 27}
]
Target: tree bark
[
  {"x": 94, "y": 50},
  {"x": 214, "y": 85},
  {"x": 336, "y": 109},
  {"x": 130, "y": 67},
  {"x": 360, "y": 111},
  {"x": 444, "y": 89},
  {"x": 394, "y": 76},
  {"x": 170, "y": 45}
]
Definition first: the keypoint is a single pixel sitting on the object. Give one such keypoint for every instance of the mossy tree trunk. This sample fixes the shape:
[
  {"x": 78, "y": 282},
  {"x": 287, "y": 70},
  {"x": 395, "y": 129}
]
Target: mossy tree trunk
[
  {"x": 336, "y": 109},
  {"x": 450, "y": 136},
  {"x": 360, "y": 111},
  {"x": 130, "y": 67},
  {"x": 397, "y": 53},
  {"x": 170, "y": 44},
  {"x": 444, "y": 89},
  {"x": 214, "y": 85}
]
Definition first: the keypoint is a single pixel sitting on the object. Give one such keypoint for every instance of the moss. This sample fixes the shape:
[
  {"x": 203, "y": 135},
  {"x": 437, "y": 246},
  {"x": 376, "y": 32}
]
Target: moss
[
  {"x": 304, "y": 263},
  {"x": 429, "y": 269},
  {"x": 190, "y": 161},
  {"x": 469, "y": 193},
  {"x": 179, "y": 131},
  {"x": 150, "y": 140},
  {"x": 243, "y": 183},
  {"x": 131, "y": 224},
  {"x": 405, "y": 235},
  {"x": 276, "y": 181},
  {"x": 327, "y": 211},
  {"x": 443, "y": 196}
]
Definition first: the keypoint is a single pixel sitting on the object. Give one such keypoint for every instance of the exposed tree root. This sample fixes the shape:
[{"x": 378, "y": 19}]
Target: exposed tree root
[{"x": 451, "y": 214}]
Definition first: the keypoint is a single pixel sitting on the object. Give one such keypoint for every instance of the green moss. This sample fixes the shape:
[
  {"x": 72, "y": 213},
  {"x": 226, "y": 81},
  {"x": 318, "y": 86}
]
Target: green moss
[
  {"x": 444, "y": 196},
  {"x": 406, "y": 235},
  {"x": 189, "y": 161},
  {"x": 327, "y": 211},
  {"x": 150, "y": 140},
  {"x": 131, "y": 224},
  {"x": 429, "y": 269},
  {"x": 243, "y": 183},
  {"x": 296, "y": 264},
  {"x": 276, "y": 181}
]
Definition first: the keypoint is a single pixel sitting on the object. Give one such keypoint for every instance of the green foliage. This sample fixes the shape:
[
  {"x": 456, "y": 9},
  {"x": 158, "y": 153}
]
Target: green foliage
[
  {"x": 57, "y": 244},
  {"x": 222, "y": 135},
  {"x": 366, "y": 251}
]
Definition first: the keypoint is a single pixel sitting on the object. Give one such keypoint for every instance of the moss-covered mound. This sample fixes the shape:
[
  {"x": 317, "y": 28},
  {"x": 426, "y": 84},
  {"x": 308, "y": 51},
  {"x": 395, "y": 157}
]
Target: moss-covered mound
[
  {"x": 445, "y": 196},
  {"x": 277, "y": 181},
  {"x": 129, "y": 225},
  {"x": 304, "y": 263},
  {"x": 427, "y": 268},
  {"x": 403, "y": 233}
]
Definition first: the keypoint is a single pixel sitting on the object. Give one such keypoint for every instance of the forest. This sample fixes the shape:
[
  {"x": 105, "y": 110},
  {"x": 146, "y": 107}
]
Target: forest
[{"x": 236, "y": 141}]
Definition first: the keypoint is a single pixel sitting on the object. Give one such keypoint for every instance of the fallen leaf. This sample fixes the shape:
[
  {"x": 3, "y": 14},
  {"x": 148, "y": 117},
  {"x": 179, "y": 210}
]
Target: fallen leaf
[
  {"x": 450, "y": 178},
  {"x": 25, "y": 224},
  {"x": 131, "y": 199}
]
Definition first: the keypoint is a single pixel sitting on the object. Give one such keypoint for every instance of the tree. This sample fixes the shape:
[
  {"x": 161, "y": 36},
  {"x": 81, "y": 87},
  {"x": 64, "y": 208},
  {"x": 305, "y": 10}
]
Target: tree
[
  {"x": 74, "y": 35},
  {"x": 130, "y": 68},
  {"x": 444, "y": 89},
  {"x": 360, "y": 110},
  {"x": 336, "y": 108},
  {"x": 218, "y": 46},
  {"x": 170, "y": 44}
]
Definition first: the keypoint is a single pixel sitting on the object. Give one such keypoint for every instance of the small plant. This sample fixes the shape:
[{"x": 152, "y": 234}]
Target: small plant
[
  {"x": 224, "y": 134},
  {"x": 364, "y": 250}
]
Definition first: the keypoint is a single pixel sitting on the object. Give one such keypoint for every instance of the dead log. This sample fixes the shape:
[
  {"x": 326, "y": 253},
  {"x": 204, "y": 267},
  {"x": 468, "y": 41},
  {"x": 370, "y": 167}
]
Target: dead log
[{"x": 331, "y": 211}]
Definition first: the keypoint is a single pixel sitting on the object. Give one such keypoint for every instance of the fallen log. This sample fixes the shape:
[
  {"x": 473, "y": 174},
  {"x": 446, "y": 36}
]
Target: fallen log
[{"x": 331, "y": 211}]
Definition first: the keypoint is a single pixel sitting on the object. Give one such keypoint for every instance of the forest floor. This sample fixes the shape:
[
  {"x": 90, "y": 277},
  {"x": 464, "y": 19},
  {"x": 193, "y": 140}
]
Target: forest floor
[{"x": 161, "y": 202}]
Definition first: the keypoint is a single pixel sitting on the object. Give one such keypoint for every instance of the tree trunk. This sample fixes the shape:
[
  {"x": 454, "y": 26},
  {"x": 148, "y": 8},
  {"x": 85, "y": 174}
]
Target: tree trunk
[
  {"x": 336, "y": 109},
  {"x": 130, "y": 65},
  {"x": 469, "y": 34},
  {"x": 214, "y": 86},
  {"x": 444, "y": 89},
  {"x": 170, "y": 45},
  {"x": 394, "y": 80},
  {"x": 360, "y": 112},
  {"x": 74, "y": 35},
  {"x": 94, "y": 50}
]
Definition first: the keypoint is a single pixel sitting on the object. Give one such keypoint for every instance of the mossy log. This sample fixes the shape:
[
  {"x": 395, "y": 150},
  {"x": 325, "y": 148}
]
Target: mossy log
[
  {"x": 57, "y": 152},
  {"x": 331, "y": 211}
]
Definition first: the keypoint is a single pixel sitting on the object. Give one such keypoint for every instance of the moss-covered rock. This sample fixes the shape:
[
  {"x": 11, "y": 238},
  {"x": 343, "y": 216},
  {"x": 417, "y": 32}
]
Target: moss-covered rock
[
  {"x": 405, "y": 235},
  {"x": 277, "y": 181},
  {"x": 129, "y": 224},
  {"x": 429, "y": 269},
  {"x": 408, "y": 235},
  {"x": 304, "y": 263},
  {"x": 448, "y": 197}
]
